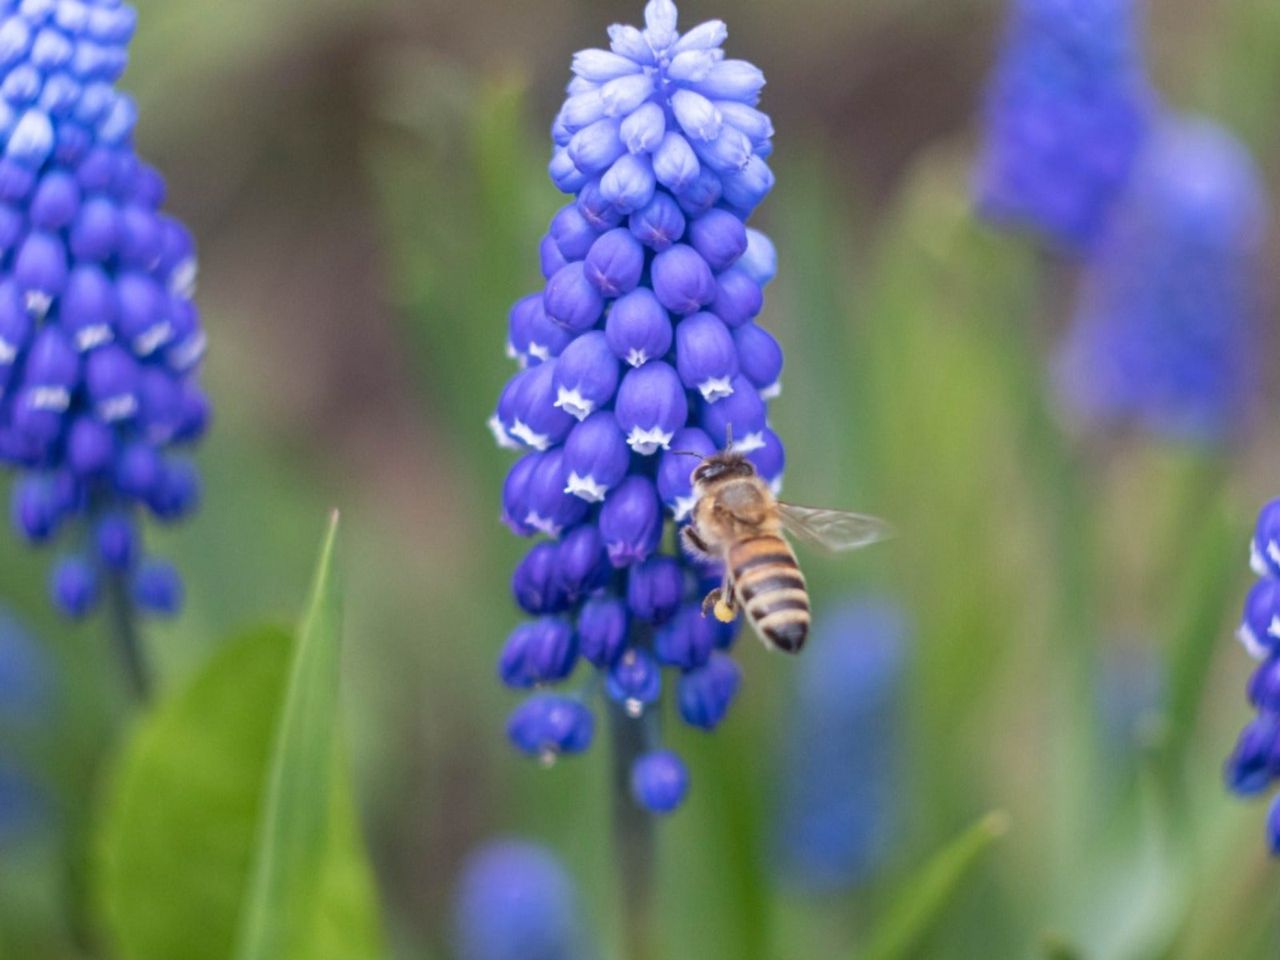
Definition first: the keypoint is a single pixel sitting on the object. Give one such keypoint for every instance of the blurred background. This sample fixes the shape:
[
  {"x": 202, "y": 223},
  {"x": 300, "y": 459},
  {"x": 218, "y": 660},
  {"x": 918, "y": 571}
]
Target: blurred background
[{"x": 367, "y": 182}]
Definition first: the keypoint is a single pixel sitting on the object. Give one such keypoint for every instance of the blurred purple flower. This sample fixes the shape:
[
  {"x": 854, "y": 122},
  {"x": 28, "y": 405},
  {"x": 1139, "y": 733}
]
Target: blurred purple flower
[
  {"x": 842, "y": 762},
  {"x": 100, "y": 342},
  {"x": 515, "y": 901},
  {"x": 1067, "y": 110},
  {"x": 641, "y": 349},
  {"x": 1165, "y": 333}
]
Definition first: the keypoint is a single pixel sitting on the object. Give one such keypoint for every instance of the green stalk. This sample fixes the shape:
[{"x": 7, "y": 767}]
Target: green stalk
[
  {"x": 127, "y": 638},
  {"x": 634, "y": 838}
]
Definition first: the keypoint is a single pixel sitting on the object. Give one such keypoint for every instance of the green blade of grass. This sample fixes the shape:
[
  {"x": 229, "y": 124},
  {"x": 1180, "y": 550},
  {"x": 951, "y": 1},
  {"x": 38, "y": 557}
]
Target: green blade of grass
[{"x": 926, "y": 895}]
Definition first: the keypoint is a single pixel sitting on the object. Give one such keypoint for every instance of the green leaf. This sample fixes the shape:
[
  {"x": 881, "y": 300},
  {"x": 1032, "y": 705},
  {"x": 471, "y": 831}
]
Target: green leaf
[
  {"x": 278, "y": 911},
  {"x": 926, "y": 895},
  {"x": 230, "y": 820}
]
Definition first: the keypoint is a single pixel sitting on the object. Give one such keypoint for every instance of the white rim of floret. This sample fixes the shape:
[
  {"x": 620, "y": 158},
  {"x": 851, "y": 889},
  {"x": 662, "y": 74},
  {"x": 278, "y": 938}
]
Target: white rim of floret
[
  {"x": 683, "y": 506},
  {"x": 772, "y": 392},
  {"x": 53, "y": 399},
  {"x": 650, "y": 441},
  {"x": 528, "y": 436},
  {"x": 749, "y": 443},
  {"x": 8, "y": 352},
  {"x": 1250, "y": 642},
  {"x": 586, "y": 488},
  {"x": 187, "y": 354},
  {"x": 540, "y": 351},
  {"x": 636, "y": 357},
  {"x": 182, "y": 282},
  {"x": 119, "y": 407},
  {"x": 542, "y": 524},
  {"x": 1273, "y": 553},
  {"x": 153, "y": 338},
  {"x": 716, "y": 388},
  {"x": 94, "y": 336},
  {"x": 574, "y": 403},
  {"x": 38, "y": 303},
  {"x": 500, "y": 435},
  {"x": 1257, "y": 562}
]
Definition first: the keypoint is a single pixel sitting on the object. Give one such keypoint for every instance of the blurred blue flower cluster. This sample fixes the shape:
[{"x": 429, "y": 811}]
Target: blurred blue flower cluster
[
  {"x": 25, "y": 704},
  {"x": 640, "y": 356},
  {"x": 1067, "y": 110},
  {"x": 100, "y": 341},
  {"x": 1255, "y": 763},
  {"x": 842, "y": 758},
  {"x": 1164, "y": 333},
  {"x": 1163, "y": 208},
  {"x": 515, "y": 901}
]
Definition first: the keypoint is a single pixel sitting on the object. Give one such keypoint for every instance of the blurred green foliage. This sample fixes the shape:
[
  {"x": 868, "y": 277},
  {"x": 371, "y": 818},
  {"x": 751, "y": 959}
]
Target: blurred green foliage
[{"x": 367, "y": 180}]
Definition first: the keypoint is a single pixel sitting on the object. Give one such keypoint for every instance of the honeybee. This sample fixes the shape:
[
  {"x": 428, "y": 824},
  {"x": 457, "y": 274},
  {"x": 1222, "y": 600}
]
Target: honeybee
[{"x": 738, "y": 522}]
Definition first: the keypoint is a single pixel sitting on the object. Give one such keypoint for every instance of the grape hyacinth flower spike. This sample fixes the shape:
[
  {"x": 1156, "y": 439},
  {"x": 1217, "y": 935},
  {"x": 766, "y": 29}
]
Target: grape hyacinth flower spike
[
  {"x": 1067, "y": 110},
  {"x": 640, "y": 355},
  {"x": 100, "y": 340}
]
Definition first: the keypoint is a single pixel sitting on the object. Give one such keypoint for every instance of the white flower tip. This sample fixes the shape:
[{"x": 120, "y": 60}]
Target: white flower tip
[
  {"x": 542, "y": 524},
  {"x": 648, "y": 442},
  {"x": 529, "y": 437},
  {"x": 574, "y": 403},
  {"x": 636, "y": 357},
  {"x": 715, "y": 388},
  {"x": 1250, "y": 643},
  {"x": 1257, "y": 563},
  {"x": 500, "y": 435},
  {"x": 586, "y": 488},
  {"x": 750, "y": 443},
  {"x": 683, "y": 507},
  {"x": 772, "y": 391}
]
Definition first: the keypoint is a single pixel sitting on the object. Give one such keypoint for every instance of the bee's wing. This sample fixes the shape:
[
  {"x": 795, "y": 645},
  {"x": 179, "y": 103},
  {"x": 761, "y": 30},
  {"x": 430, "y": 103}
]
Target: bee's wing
[{"x": 835, "y": 530}]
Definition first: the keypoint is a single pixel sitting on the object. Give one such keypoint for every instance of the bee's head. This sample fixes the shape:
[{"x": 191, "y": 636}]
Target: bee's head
[{"x": 722, "y": 466}]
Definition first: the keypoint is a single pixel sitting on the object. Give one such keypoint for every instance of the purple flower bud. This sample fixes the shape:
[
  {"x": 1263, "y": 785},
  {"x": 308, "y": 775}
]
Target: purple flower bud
[
  {"x": 756, "y": 125},
  {"x": 697, "y": 117},
  {"x": 571, "y": 300},
  {"x": 759, "y": 358},
  {"x": 515, "y": 495},
  {"x": 582, "y": 566},
  {"x": 595, "y": 147},
  {"x": 546, "y": 725},
  {"x": 638, "y": 329},
  {"x": 675, "y": 165},
  {"x": 88, "y": 308},
  {"x": 651, "y": 407},
  {"x": 600, "y": 66},
  {"x": 746, "y": 188},
  {"x": 581, "y": 110},
  {"x": 682, "y": 280},
  {"x": 528, "y": 409},
  {"x": 654, "y": 589},
  {"x": 629, "y": 184},
  {"x": 615, "y": 262},
  {"x": 51, "y": 375},
  {"x": 539, "y": 652},
  {"x": 532, "y": 333},
  {"x": 727, "y": 154},
  {"x": 95, "y": 232},
  {"x": 659, "y": 781},
  {"x": 706, "y": 356},
  {"x": 602, "y": 630},
  {"x": 550, "y": 259},
  {"x": 760, "y": 262},
  {"x": 687, "y": 639},
  {"x": 738, "y": 298},
  {"x": 35, "y": 510},
  {"x": 572, "y": 233},
  {"x": 1260, "y": 628},
  {"x": 536, "y": 584},
  {"x": 157, "y": 589},
  {"x": 658, "y": 224},
  {"x": 644, "y": 129},
  {"x": 143, "y": 324},
  {"x": 16, "y": 330},
  {"x": 112, "y": 378},
  {"x": 1264, "y": 686},
  {"x": 719, "y": 237},
  {"x": 1265, "y": 547},
  {"x": 676, "y": 468},
  {"x": 91, "y": 446},
  {"x": 596, "y": 457},
  {"x": 117, "y": 541},
  {"x": 567, "y": 177},
  {"x": 550, "y": 508},
  {"x": 733, "y": 80},
  {"x": 770, "y": 459},
  {"x": 598, "y": 210},
  {"x": 635, "y": 681},
  {"x": 701, "y": 194},
  {"x": 631, "y": 521},
  {"x": 74, "y": 586},
  {"x": 138, "y": 471},
  {"x": 743, "y": 411},
  {"x": 1252, "y": 765},
  {"x": 705, "y": 694},
  {"x": 40, "y": 269},
  {"x": 586, "y": 375},
  {"x": 55, "y": 202}
]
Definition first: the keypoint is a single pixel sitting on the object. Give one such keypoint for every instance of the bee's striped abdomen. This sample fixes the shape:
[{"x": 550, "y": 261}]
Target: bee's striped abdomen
[{"x": 770, "y": 587}]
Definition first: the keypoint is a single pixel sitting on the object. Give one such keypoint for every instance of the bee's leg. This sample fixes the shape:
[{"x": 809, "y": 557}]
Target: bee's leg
[
  {"x": 694, "y": 545},
  {"x": 712, "y": 600},
  {"x": 721, "y": 601}
]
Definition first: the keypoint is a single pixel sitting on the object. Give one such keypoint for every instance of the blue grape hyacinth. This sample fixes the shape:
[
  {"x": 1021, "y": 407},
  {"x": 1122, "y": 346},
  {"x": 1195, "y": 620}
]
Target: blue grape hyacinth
[
  {"x": 516, "y": 901},
  {"x": 1067, "y": 110},
  {"x": 1165, "y": 334},
  {"x": 842, "y": 759},
  {"x": 640, "y": 355},
  {"x": 100, "y": 340},
  {"x": 1254, "y": 766}
]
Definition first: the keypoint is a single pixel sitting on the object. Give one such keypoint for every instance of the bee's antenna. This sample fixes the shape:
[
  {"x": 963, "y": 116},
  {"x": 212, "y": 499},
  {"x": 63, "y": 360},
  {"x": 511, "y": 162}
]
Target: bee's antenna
[{"x": 688, "y": 453}]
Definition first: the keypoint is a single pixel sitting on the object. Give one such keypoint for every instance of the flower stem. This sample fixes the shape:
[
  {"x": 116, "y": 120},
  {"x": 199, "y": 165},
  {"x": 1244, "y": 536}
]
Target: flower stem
[
  {"x": 127, "y": 639},
  {"x": 633, "y": 835}
]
